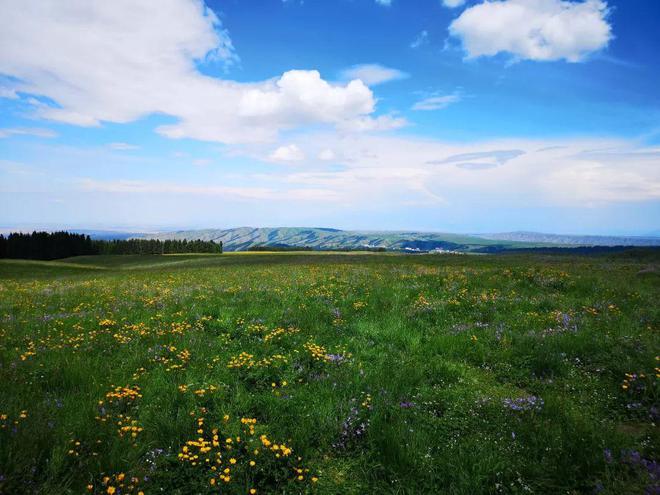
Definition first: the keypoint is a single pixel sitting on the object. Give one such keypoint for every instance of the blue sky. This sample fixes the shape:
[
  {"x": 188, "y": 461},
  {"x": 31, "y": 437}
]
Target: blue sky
[{"x": 439, "y": 115}]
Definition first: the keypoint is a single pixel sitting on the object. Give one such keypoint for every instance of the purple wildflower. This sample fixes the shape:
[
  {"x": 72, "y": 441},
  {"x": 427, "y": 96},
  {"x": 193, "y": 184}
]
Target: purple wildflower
[
  {"x": 529, "y": 403},
  {"x": 336, "y": 358}
]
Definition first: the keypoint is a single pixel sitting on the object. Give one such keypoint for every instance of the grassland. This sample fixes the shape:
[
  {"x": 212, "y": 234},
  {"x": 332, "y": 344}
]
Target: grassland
[{"x": 329, "y": 374}]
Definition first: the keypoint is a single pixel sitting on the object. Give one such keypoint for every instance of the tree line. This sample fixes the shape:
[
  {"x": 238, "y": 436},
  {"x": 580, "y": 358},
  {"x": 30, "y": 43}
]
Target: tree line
[{"x": 56, "y": 245}]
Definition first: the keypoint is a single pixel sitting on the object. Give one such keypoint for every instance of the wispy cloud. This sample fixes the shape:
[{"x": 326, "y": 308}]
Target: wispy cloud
[
  {"x": 498, "y": 156},
  {"x": 373, "y": 74},
  {"x": 452, "y": 4},
  {"x": 242, "y": 193},
  {"x": 437, "y": 102},
  {"x": 554, "y": 173},
  {"x": 8, "y": 93},
  {"x": 123, "y": 146},
  {"x": 27, "y": 131},
  {"x": 421, "y": 39}
]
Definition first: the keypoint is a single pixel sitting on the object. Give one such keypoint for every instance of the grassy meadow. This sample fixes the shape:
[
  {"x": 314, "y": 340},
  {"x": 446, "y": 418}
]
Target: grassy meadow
[{"x": 330, "y": 374}]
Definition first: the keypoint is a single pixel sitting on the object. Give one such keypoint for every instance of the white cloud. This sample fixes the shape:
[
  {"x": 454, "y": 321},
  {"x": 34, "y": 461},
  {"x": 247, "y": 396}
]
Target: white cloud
[
  {"x": 384, "y": 3},
  {"x": 452, "y": 4},
  {"x": 421, "y": 39},
  {"x": 288, "y": 153},
  {"x": 373, "y": 74},
  {"x": 373, "y": 124},
  {"x": 231, "y": 192},
  {"x": 301, "y": 97},
  {"x": 120, "y": 61},
  {"x": 27, "y": 131},
  {"x": 326, "y": 155},
  {"x": 534, "y": 29},
  {"x": 437, "y": 102},
  {"x": 513, "y": 173},
  {"x": 123, "y": 146},
  {"x": 8, "y": 93}
]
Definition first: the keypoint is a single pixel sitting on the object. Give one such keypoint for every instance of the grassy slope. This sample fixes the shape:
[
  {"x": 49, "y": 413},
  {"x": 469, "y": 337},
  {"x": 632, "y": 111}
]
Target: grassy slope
[{"x": 437, "y": 343}]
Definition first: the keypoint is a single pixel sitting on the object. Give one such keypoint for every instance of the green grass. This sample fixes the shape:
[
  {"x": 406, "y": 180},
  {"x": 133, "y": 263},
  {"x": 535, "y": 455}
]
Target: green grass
[{"x": 400, "y": 374}]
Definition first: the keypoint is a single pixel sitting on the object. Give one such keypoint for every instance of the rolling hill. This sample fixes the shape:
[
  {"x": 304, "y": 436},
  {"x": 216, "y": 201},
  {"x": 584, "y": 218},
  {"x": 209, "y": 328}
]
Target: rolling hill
[{"x": 244, "y": 238}]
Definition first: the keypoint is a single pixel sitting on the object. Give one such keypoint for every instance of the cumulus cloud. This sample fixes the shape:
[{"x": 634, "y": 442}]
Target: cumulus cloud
[
  {"x": 373, "y": 74},
  {"x": 119, "y": 61},
  {"x": 437, "y": 102},
  {"x": 534, "y": 29},
  {"x": 288, "y": 153}
]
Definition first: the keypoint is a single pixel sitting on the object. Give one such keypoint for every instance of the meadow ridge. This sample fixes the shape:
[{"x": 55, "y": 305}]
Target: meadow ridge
[{"x": 330, "y": 373}]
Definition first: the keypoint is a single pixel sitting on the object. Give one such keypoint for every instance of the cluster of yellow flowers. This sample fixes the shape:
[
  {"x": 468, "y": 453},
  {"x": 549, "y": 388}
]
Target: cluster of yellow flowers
[
  {"x": 488, "y": 296},
  {"x": 125, "y": 394},
  {"x": 631, "y": 378},
  {"x": 279, "y": 449},
  {"x": 174, "y": 359},
  {"x": 246, "y": 360},
  {"x": 117, "y": 484},
  {"x": 180, "y": 328},
  {"x": 150, "y": 301},
  {"x": 129, "y": 331},
  {"x": 200, "y": 392},
  {"x": 243, "y": 360},
  {"x": 317, "y": 352},
  {"x": 254, "y": 327},
  {"x": 250, "y": 423},
  {"x": 421, "y": 303},
  {"x": 225, "y": 456},
  {"x": 128, "y": 426},
  {"x": 30, "y": 351},
  {"x": 279, "y": 332},
  {"x": 5, "y": 421},
  {"x": 119, "y": 400},
  {"x": 366, "y": 401}
]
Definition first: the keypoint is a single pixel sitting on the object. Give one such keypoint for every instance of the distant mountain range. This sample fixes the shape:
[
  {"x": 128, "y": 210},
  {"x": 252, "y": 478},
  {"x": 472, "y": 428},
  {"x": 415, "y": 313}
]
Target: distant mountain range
[
  {"x": 574, "y": 240},
  {"x": 107, "y": 235},
  {"x": 244, "y": 238}
]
